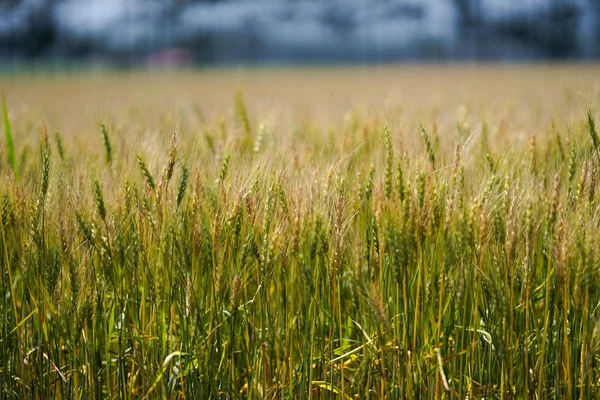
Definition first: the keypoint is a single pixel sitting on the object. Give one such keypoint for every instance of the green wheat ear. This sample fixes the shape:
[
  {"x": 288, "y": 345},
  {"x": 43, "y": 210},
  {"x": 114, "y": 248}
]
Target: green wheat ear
[
  {"x": 224, "y": 169},
  {"x": 593, "y": 132},
  {"x": 99, "y": 200},
  {"x": 183, "y": 183},
  {"x": 389, "y": 161},
  {"x": 428, "y": 145},
  {"x": 146, "y": 173},
  {"x": 45, "y": 170},
  {"x": 106, "y": 142},
  {"x": 10, "y": 148}
]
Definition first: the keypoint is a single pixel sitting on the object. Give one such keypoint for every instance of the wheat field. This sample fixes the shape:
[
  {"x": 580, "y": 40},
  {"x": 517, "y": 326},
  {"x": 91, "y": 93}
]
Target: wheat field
[{"x": 313, "y": 233}]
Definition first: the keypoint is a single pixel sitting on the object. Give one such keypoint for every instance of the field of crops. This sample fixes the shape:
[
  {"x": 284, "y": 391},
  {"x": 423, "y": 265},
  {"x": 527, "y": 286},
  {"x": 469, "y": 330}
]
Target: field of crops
[{"x": 398, "y": 232}]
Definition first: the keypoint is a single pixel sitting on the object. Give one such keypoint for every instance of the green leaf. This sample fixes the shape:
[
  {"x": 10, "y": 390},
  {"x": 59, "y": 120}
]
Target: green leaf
[
  {"x": 328, "y": 386},
  {"x": 20, "y": 324},
  {"x": 9, "y": 140}
]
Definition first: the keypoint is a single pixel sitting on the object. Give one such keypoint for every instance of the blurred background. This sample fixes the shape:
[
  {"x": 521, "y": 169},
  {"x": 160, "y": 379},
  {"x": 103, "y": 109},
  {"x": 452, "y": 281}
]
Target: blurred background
[{"x": 134, "y": 33}]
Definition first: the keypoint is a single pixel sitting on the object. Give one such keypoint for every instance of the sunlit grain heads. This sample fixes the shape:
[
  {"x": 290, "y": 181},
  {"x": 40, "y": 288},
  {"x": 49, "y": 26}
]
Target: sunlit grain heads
[
  {"x": 554, "y": 201},
  {"x": 223, "y": 170},
  {"x": 85, "y": 312},
  {"x": 250, "y": 278},
  {"x": 511, "y": 236},
  {"x": 591, "y": 181},
  {"x": 400, "y": 182},
  {"x": 507, "y": 198},
  {"x": 6, "y": 209},
  {"x": 85, "y": 228},
  {"x": 338, "y": 221},
  {"x": 592, "y": 130},
  {"x": 249, "y": 249},
  {"x": 389, "y": 161},
  {"x": 439, "y": 196},
  {"x": 428, "y": 146},
  {"x": 196, "y": 196},
  {"x": 269, "y": 208},
  {"x": 170, "y": 167},
  {"x": 295, "y": 245},
  {"x": 146, "y": 173},
  {"x": 148, "y": 212},
  {"x": 250, "y": 205},
  {"x": 106, "y": 143},
  {"x": 560, "y": 253},
  {"x": 379, "y": 311},
  {"x": 421, "y": 182},
  {"x": 374, "y": 234},
  {"x": 483, "y": 230},
  {"x": 99, "y": 200},
  {"x": 234, "y": 221},
  {"x": 183, "y": 183},
  {"x": 572, "y": 165},
  {"x": 529, "y": 225},
  {"x": 490, "y": 162},
  {"x": 129, "y": 193},
  {"x": 45, "y": 171},
  {"x": 282, "y": 198},
  {"x": 582, "y": 184},
  {"x": 235, "y": 294},
  {"x": 368, "y": 191}
]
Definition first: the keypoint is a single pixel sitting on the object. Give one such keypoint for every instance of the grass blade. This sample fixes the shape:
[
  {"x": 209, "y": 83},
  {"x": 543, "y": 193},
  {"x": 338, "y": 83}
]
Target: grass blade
[{"x": 333, "y": 389}]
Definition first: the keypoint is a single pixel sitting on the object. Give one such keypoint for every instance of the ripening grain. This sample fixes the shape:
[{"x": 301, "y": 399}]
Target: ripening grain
[{"x": 381, "y": 233}]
